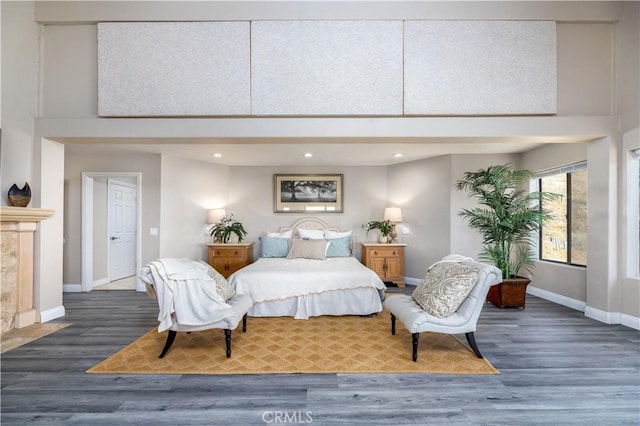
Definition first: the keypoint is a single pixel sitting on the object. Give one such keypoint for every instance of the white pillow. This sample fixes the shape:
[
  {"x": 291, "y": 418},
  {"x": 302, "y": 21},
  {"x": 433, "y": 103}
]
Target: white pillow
[
  {"x": 330, "y": 235},
  {"x": 311, "y": 234},
  {"x": 285, "y": 234}
]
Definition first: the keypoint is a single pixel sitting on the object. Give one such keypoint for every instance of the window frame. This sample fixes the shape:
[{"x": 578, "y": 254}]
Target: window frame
[
  {"x": 567, "y": 171},
  {"x": 632, "y": 234}
]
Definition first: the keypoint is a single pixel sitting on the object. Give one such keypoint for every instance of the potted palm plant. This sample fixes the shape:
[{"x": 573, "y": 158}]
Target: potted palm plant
[
  {"x": 384, "y": 226},
  {"x": 222, "y": 231},
  {"x": 508, "y": 217}
]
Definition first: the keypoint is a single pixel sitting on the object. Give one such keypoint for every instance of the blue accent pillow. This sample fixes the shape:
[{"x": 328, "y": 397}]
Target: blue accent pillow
[
  {"x": 339, "y": 247},
  {"x": 274, "y": 247}
]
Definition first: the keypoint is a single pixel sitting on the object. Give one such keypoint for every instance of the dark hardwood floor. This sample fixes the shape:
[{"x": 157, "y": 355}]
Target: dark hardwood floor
[{"x": 557, "y": 368}]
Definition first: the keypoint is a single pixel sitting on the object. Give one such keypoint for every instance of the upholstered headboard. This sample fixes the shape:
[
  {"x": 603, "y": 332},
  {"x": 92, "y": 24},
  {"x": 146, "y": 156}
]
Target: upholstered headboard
[
  {"x": 315, "y": 223},
  {"x": 309, "y": 223}
]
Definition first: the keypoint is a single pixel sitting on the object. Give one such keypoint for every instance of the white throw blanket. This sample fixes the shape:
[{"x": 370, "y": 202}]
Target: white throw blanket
[
  {"x": 184, "y": 288},
  {"x": 278, "y": 278}
]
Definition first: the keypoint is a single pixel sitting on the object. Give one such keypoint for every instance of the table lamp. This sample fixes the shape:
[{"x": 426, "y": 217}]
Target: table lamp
[{"x": 394, "y": 215}]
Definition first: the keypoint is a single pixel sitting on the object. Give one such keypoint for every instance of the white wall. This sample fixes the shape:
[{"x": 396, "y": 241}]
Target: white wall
[
  {"x": 423, "y": 190},
  {"x": 584, "y": 64},
  {"x": 49, "y": 237},
  {"x": 71, "y": 91},
  {"x": 20, "y": 53},
  {"x": 628, "y": 66},
  {"x": 100, "y": 227},
  {"x": 189, "y": 189},
  {"x": 78, "y": 160},
  {"x": 251, "y": 199},
  {"x": 585, "y": 69},
  {"x": 603, "y": 290}
]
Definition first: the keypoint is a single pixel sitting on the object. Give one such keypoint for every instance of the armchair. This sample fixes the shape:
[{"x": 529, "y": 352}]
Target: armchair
[
  {"x": 457, "y": 316},
  {"x": 192, "y": 296}
]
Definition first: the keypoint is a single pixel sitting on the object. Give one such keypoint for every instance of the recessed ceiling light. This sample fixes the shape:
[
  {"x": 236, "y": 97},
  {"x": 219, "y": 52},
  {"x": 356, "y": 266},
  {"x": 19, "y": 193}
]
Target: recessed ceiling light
[
  {"x": 217, "y": 155},
  {"x": 397, "y": 155},
  {"x": 307, "y": 155}
]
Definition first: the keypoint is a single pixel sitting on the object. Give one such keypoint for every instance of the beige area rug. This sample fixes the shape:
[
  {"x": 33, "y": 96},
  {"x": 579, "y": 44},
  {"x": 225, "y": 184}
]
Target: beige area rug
[
  {"x": 349, "y": 344},
  {"x": 21, "y": 336}
]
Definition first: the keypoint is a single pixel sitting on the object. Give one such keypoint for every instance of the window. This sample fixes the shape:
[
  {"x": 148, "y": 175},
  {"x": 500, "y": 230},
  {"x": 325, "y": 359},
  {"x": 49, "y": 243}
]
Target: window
[
  {"x": 633, "y": 214},
  {"x": 636, "y": 157},
  {"x": 564, "y": 238}
]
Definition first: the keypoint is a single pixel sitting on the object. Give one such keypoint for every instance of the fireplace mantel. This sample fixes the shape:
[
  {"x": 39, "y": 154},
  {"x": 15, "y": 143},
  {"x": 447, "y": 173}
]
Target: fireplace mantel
[
  {"x": 18, "y": 225},
  {"x": 24, "y": 214}
]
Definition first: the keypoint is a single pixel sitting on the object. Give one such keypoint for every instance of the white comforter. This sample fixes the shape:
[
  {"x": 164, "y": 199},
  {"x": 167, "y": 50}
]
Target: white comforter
[{"x": 278, "y": 278}]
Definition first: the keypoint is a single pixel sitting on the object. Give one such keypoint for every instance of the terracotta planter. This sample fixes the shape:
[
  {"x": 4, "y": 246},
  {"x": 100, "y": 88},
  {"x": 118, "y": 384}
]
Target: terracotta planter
[{"x": 511, "y": 293}]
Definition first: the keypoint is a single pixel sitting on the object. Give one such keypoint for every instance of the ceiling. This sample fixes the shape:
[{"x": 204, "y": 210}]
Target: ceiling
[{"x": 325, "y": 151}]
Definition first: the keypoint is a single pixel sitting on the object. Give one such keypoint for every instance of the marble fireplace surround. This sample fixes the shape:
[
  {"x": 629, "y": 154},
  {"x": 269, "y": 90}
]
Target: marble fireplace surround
[{"x": 18, "y": 226}]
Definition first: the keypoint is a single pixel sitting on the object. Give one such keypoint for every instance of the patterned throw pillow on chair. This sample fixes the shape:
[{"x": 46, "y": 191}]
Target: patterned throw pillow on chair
[
  {"x": 445, "y": 287},
  {"x": 223, "y": 288}
]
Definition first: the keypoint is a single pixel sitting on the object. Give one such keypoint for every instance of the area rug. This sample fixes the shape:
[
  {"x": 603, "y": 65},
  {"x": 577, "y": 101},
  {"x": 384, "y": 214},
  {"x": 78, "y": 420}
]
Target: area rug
[{"x": 348, "y": 344}]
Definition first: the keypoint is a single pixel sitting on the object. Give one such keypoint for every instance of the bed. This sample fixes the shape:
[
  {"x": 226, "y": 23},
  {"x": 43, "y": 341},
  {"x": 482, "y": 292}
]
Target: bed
[{"x": 306, "y": 283}]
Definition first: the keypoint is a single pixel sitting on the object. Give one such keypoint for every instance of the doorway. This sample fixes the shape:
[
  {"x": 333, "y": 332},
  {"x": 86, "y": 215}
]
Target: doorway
[
  {"x": 121, "y": 230},
  {"x": 111, "y": 237}
]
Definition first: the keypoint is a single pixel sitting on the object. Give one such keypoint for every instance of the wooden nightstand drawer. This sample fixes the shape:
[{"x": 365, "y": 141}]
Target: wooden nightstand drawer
[
  {"x": 229, "y": 252},
  {"x": 228, "y": 258},
  {"x": 385, "y": 252}
]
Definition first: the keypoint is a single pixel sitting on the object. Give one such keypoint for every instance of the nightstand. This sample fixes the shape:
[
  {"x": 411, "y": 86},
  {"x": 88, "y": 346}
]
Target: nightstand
[
  {"x": 386, "y": 260},
  {"x": 228, "y": 258}
]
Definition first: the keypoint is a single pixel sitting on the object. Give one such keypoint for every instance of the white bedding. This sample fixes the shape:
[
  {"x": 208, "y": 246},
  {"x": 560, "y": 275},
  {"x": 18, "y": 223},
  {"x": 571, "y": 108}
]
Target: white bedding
[{"x": 308, "y": 287}]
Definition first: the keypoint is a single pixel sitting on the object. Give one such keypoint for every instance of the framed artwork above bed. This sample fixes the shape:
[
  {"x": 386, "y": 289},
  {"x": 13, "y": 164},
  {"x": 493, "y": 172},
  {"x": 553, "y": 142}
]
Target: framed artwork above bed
[{"x": 308, "y": 193}]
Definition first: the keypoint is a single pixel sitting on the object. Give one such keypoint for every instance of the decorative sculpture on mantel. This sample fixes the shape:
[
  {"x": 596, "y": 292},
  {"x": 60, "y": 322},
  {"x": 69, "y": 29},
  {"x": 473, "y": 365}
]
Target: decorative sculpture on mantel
[{"x": 19, "y": 197}]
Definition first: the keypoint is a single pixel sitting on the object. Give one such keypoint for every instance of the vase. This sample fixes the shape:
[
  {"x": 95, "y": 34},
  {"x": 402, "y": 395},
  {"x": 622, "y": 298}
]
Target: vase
[
  {"x": 19, "y": 197},
  {"x": 383, "y": 239}
]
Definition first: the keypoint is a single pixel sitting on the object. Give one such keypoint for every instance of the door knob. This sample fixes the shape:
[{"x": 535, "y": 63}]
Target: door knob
[{"x": 115, "y": 238}]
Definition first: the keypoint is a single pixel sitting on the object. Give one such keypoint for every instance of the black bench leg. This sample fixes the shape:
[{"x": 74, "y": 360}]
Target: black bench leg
[
  {"x": 170, "y": 338},
  {"x": 414, "y": 340},
  {"x": 244, "y": 323},
  {"x": 393, "y": 324},
  {"x": 227, "y": 339},
  {"x": 472, "y": 342}
]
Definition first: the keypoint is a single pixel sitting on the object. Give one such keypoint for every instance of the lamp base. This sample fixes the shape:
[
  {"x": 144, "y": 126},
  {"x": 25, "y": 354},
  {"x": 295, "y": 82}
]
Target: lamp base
[{"x": 393, "y": 234}]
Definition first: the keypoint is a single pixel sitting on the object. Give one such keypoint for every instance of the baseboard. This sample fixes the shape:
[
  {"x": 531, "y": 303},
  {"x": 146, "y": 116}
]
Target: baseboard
[
  {"x": 412, "y": 281},
  {"x": 589, "y": 312},
  {"x": 602, "y": 316},
  {"x": 51, "y": 314},
  {"x": 72, "y": 288},
  {"x": 578, "y": 305},
  {"x": 629, "y": 321}
]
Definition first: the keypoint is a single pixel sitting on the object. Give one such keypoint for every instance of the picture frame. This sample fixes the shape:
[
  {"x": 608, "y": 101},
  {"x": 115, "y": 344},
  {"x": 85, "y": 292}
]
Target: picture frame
[{"x": 308, "y": 193}]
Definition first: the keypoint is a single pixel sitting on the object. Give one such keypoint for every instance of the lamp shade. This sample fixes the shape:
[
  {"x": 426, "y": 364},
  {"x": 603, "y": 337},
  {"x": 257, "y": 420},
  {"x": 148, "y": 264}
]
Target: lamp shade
[
  {"x": 393, "y": 214},
  {"x": 216, "y": 215}
]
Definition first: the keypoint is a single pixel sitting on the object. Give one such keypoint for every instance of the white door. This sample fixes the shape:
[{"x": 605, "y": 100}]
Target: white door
[{"x": 122, "y": 211}]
